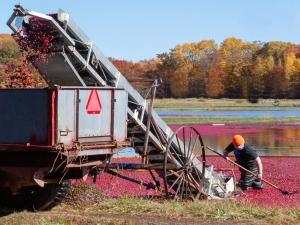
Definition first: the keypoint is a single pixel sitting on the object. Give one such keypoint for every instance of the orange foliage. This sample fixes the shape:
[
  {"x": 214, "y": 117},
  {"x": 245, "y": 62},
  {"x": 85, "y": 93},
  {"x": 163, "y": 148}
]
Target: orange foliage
[{"x": 236, "y": 69}]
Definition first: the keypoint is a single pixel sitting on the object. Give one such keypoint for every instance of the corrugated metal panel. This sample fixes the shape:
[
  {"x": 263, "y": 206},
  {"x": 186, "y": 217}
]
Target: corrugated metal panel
[
  {"x": 24, "y": 116},
  {"x": 94, "y": 125},
  {"x": 59, "y": 70},
  {"x": 66, "y": 120},
  {"x": 120, "y": 115}
]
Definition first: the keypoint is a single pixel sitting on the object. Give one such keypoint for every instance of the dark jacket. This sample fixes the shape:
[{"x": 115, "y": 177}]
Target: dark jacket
[{"x": 246, "y": 157}]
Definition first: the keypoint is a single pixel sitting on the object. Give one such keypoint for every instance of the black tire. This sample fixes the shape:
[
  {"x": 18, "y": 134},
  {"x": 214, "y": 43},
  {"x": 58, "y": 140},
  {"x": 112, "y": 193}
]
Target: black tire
[{"x": 35, "y": 198}]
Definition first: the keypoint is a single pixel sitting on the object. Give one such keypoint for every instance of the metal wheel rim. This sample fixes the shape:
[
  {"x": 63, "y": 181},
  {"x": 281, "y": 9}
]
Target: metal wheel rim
[{"x": 187, "y": 178}]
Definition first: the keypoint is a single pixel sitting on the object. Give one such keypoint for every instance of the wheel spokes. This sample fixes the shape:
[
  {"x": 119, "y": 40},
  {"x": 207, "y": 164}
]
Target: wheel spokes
[
  {"x": 186, "y": 180},
  {"x": 178, "y": 178}
]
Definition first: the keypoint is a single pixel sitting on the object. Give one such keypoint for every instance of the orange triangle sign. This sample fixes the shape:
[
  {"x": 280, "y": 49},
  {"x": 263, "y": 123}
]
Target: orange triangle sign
[{"x": 93, "y": 105}]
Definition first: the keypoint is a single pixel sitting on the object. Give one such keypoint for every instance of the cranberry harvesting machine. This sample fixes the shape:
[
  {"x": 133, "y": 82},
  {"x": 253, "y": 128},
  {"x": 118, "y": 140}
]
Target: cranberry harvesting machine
[{"x": 89, "y": 112}]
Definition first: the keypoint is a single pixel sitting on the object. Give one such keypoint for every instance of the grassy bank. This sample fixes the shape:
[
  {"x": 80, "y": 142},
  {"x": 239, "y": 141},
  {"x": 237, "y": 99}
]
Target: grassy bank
[
  {"x": 182, "y": 120},
  {"x": 129, "y": 210},
  {"x": 223, "y": 104}
]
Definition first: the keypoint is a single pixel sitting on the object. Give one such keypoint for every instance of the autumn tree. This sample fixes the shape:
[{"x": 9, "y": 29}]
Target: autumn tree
[
  {"x": 165, "y": 69},
  {"x": 292, "y": 70},
  {"x": 276, "y": 82},
  {"x": 15, "y": 69},
  {"x": 236, "y": 56},
  {"x": 9, "y": 50},
  {"x": 202, "y": 58},
  {"x": 188, "y": 65},
  {"x": 215, "y": 79},
  {"x": 140, "y": 74}
]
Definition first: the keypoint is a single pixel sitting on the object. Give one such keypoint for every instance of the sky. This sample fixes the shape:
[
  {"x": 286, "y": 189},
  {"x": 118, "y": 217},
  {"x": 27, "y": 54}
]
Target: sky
[{"x": 140, "y": 29}]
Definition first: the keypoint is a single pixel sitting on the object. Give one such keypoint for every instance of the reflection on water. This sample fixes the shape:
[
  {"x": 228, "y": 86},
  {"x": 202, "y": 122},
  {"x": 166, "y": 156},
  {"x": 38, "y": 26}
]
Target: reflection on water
[
  {"x": 274, "y": 140},
  {"x": 269, "y": 140}
]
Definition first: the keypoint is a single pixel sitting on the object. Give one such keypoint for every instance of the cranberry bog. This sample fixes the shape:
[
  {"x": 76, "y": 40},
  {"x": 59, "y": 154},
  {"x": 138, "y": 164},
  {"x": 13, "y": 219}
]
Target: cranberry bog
[{"x": 281, "y": 170}]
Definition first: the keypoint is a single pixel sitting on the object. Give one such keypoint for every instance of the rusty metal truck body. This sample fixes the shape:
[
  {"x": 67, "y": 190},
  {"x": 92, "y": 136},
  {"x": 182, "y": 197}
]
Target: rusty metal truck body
[{"x": 37, "y": 124}]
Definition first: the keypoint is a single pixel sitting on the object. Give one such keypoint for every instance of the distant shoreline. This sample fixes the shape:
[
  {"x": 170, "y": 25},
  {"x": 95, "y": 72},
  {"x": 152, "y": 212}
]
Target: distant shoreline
[
  {"x": 171, "y": 121},
  {"x": 224, "y": 104},
  {"x": 192, "y": 104}
]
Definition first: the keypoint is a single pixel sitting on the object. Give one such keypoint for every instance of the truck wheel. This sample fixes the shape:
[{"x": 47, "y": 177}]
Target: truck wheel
[{"x": 35, "y": 198}]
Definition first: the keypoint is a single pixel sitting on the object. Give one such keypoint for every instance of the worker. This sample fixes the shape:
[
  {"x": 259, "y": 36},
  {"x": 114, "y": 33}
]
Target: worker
[{"x": 247, "y": 157}]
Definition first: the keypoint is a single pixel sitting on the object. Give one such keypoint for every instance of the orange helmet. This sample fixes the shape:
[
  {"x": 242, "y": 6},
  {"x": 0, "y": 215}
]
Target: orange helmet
[{"x": 238, "y": 140}]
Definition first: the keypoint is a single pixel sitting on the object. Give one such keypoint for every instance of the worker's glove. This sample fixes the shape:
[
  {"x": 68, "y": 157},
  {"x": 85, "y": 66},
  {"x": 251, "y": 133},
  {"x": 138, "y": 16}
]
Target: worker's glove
[{"x": 259, "y": 176}]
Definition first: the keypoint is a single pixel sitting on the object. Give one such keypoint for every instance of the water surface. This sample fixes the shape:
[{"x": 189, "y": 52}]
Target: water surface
[
  {"x": 268, "y": 139},
  {"x": 288, "y": 113}
]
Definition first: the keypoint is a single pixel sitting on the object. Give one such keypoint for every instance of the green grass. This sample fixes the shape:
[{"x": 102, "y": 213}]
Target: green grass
[
  {"x": 225, "y": 104},
  {"x": 222, "y": 104},
  {"x": 49, "y": 223},
  {"x": 130, "y": 210},
  {"x": 181, "y": 120},
  {"x": 227, "y": 210}
]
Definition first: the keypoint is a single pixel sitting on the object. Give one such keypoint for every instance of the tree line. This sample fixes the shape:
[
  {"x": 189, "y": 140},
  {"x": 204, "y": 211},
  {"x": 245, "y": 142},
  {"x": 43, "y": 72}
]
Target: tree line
[{"x": 233, "y": 69}]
